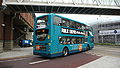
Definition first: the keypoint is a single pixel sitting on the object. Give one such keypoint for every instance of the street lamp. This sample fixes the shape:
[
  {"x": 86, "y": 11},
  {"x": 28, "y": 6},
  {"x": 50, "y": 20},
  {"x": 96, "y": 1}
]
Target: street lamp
[{"x": 3, "y": 25}]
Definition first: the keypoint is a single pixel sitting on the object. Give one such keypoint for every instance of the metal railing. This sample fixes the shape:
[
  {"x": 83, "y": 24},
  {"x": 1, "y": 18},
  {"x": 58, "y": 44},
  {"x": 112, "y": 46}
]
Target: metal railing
[{"x": 115, "y": 3}]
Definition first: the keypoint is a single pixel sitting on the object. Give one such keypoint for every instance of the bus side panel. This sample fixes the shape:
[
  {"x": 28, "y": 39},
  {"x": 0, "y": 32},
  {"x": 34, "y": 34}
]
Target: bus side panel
[
  {"x": 78, "y": 48},
  {"x": 55, "y": 39}
]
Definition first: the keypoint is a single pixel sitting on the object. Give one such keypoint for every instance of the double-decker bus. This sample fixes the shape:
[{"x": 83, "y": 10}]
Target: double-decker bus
[{"x": 55, "y": 35}]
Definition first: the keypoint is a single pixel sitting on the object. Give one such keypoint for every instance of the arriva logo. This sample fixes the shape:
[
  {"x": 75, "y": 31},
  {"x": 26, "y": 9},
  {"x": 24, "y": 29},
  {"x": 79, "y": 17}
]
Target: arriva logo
[{"x": 19, "y": 1}]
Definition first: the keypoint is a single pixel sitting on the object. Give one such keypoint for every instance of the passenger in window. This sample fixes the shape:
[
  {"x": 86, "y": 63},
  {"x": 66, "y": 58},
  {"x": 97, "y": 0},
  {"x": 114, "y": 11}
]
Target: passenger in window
[
  {"x": 78, "y": 27},
  {"x": 83, "y": 27},
  {"x": 65, "y": 42},
  {"x": 72, "y": 42},
  {"x": 60, "y": 24},
  {"x": 67, "y": 24},
  {"x": 68, "y": 40}
]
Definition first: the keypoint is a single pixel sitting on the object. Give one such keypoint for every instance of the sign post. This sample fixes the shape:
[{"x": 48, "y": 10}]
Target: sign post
[{"x": 115, "y": 31}]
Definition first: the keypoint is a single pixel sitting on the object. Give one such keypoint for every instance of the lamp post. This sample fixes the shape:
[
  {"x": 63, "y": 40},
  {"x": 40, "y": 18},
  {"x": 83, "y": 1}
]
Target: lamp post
[
  {"x": 3, "y": 25},
  {"x": 100, "y": 27}
]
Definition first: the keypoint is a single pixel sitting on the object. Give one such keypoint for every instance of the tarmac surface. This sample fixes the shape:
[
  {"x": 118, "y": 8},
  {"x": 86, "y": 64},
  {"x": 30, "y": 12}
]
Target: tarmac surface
[
  {"x": 71, "y": 61},
  {"x": 98, "y": 57}
]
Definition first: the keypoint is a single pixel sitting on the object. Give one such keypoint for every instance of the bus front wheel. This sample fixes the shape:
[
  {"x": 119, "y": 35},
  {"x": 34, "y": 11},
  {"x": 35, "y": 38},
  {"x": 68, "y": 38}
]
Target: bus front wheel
[{"x": 65, "y": 51}]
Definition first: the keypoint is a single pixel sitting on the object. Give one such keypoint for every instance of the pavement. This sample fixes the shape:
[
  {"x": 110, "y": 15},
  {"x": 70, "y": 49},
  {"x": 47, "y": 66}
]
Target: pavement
[
  {"x": 103, "y": 62},
  {"x": 17, "y": 53},
  {"x": 110, "y": 57}
]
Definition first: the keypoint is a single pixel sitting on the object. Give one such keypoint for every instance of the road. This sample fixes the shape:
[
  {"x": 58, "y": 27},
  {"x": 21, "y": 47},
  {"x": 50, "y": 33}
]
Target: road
[{"x": 86, "y": 59}]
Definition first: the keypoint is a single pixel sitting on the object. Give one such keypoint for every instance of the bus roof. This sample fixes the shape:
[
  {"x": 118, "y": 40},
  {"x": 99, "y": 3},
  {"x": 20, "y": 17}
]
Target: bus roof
[{"x": 64, "y": 18}]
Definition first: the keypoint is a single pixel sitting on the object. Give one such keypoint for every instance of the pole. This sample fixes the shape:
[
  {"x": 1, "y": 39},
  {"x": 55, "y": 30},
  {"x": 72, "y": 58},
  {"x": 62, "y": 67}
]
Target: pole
[
  {"x": 115, "y": 38},
  {"x": 115, "y": 31},
  {"x": 3, "y": 25},
  {"x": 102, "y": 38},
  {"x": 4, "y": 37}
]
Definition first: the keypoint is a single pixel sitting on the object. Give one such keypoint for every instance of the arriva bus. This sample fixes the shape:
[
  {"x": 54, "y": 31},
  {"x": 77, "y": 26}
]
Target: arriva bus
[{"x": 55, "y": 35}]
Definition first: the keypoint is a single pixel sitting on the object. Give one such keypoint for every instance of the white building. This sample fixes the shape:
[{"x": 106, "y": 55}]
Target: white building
[{"x": 107, "y": 33}]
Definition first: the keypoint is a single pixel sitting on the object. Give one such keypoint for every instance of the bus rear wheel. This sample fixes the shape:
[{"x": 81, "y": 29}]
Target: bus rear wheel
[
  {"x": 88, "y": 47},
  {"x": 65, "y": 51}
]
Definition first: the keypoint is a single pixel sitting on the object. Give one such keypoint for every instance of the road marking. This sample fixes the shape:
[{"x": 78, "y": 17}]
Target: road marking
[
  {"x": 39, "y": 62},
  {"x": 13, "y": 60}
]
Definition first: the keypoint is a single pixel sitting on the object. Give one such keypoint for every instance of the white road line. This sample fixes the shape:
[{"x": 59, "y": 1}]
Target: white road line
[
  {"x": 38, "y": 62},
  {"x": 13, "y": 60}
]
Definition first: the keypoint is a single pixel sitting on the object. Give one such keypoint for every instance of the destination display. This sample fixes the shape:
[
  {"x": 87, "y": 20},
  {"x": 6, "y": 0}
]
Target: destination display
[{"x": 71, "y": 31}]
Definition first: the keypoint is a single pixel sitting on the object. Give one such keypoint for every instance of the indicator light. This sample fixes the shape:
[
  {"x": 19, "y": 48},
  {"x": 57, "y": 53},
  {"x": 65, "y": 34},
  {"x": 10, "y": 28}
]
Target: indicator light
[
  {"x": 43, "y": 30},
  {"x": 48, "y": 36},
  {"x": 37, "y": 47}
]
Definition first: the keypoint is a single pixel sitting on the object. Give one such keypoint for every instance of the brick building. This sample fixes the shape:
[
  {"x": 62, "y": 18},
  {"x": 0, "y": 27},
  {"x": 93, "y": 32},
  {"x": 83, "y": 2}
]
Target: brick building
[{"x": 13, "y": 27}]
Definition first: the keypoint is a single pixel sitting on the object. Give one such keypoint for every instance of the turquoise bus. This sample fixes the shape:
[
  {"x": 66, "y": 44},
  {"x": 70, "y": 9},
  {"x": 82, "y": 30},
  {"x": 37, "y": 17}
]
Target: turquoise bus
[{"x": 55, "y": 35}]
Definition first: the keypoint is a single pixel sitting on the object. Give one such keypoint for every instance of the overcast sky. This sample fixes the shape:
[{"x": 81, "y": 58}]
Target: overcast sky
[{"x": 89, "y": 19}]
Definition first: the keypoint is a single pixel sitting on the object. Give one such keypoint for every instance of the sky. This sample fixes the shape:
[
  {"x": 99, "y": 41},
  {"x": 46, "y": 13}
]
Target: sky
[{"x": 89, "y": 19}]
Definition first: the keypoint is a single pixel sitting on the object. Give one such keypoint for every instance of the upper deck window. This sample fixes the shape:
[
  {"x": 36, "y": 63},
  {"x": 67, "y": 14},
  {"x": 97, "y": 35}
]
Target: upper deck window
[
  {"x": 42, "y": 22},
  {"x": 68, "y": 23},
  {"x": 57, "y": 20}
]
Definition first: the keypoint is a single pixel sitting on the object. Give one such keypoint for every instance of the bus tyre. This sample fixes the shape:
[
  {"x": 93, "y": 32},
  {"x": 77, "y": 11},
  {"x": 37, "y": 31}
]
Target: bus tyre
[
  {"x": 65, "y": 51},
  {"x": 88, "y": 47}
]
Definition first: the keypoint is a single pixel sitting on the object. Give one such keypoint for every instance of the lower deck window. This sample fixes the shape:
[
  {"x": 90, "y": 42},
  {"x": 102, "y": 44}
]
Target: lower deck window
[
  {"x": 41, "y": 34},
  {"x": 71, "y": 40}
]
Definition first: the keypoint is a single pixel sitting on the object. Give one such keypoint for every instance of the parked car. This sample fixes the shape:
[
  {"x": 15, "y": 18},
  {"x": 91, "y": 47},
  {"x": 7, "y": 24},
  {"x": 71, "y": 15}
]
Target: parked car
[{"x": 26, "y": 43}]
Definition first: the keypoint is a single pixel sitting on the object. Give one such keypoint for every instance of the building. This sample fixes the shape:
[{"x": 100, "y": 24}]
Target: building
[
  {"x": 14, "y": 27},
  {"x": 107, "y": 33}
]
